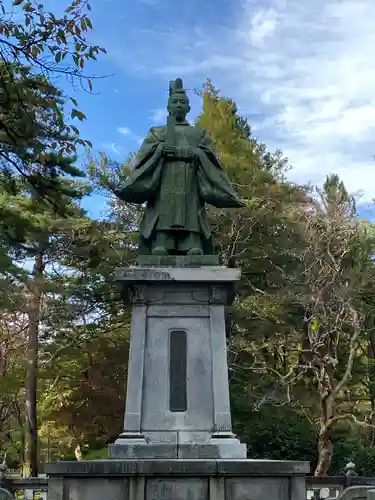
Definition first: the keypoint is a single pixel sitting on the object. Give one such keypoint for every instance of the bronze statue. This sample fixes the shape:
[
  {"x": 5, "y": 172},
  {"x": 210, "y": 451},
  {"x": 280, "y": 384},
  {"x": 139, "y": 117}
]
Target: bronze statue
[{"x": 176, "y": 173}]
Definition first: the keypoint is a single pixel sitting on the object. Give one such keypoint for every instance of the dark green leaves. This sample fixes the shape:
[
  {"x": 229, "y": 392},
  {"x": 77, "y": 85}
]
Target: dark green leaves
[{"x": 78, "y": 114}]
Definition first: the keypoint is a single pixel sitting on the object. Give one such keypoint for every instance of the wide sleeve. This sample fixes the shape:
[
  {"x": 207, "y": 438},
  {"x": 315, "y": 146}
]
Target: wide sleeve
[{"x": 144, "y": 178}]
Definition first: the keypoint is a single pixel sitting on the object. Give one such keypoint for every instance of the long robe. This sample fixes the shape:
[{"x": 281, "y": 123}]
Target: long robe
[{"x": 176, "y": 190}]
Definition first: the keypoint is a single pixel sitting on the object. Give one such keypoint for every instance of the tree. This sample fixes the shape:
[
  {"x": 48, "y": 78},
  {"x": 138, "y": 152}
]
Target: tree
[
  {"x": 32, "y": 142},
  {"x": 337, "y": 269},
  {"x": 265, "y": 239},
  {"x": 84, "y": 403},
  {"x": 301, "y": 325},
  {"x": 12, "y": 349},
  {"x": 34, "y": 138},
  {"x": 40, "y": 242},
  {"x": 282, "y": 242},
  {"x": 35, "y": 50},
  {"x": 83, "y": 364}
]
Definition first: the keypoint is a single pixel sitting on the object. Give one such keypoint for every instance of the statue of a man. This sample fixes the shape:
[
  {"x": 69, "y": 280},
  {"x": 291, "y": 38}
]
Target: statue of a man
[{"x": 176, "y": 173}]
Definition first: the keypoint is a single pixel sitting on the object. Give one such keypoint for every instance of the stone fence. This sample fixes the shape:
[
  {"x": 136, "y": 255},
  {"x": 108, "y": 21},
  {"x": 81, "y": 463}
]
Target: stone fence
[
  {"x": 334, "y": 486},
  {"x": 22, "y": 488}
]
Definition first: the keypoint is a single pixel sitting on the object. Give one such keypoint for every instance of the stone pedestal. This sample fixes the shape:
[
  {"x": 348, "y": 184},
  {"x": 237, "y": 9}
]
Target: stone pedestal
[
  {"x": 177, "y": 480},
  {"x": 177, "y": 442},
  {"x": 177, "y": 400}
]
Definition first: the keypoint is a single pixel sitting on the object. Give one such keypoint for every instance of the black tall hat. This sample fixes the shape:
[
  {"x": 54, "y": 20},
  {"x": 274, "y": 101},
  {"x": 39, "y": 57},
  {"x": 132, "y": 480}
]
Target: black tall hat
[{"x": 176, "y": 87}]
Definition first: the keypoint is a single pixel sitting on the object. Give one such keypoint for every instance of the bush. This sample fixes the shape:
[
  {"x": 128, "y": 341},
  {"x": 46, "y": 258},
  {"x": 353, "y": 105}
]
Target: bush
[{"x": 276, "y": 433}]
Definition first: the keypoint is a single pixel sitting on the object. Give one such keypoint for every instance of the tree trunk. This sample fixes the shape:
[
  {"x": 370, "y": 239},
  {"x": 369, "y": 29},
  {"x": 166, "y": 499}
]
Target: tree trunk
[
  {"x": 325, "y": 450},
  {"x": 325, "y": 447},
  {"x": 371, "y": 369},
  {"x": 371, "y": 380},
  {"x": 30, "y": 467}
]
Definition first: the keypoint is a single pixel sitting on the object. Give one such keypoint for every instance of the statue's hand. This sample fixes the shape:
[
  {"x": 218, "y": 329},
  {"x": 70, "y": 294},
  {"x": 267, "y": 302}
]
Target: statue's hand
[
  {"x": 191, "y": 152},
  {"x": 169, "y": 150}
]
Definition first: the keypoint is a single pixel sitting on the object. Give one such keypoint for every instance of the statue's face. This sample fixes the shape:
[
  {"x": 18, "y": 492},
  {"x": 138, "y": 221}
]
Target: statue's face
[{"x": 178, "y": 105}]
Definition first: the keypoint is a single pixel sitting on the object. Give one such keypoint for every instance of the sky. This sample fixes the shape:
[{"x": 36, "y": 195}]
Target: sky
[{"x": 302, "y": 72}]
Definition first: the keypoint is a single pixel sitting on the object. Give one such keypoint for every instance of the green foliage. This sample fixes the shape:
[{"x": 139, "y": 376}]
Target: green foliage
[
  {"x": 37, "y": 45},
  {"x": 284, "y": 434},
  {"x": 49, "y": 42},
  {"x": 305, "y": 266},
  {"x": 302, "y": 333},
  {"x": 35, "y": 141}
]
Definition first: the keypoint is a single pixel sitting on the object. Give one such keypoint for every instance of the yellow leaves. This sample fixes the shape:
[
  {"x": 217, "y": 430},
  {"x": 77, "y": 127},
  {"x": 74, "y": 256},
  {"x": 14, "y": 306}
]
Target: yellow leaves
[{"x": 314, "y": 325}]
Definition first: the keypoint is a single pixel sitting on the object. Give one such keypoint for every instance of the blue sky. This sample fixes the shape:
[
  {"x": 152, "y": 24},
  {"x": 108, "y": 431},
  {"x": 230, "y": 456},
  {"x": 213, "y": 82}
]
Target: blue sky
[{"x": 303, "y": 73}]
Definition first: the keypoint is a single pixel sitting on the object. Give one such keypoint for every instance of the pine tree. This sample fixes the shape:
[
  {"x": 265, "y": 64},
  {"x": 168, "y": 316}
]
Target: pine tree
[
  {"x": 35, "y": 140},
  {"x": 40, "y": 239}
]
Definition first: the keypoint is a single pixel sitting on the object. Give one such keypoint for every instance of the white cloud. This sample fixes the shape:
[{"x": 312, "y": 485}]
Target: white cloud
[
  {"x": 112, "y": 148},
  {"x": 303, "y": 72},
  {"x": 263, "y": 23},
  {"x": 115, "y": 148},
  {"x": 315, "y": 75},
  {"x": 124, "y": 131}
]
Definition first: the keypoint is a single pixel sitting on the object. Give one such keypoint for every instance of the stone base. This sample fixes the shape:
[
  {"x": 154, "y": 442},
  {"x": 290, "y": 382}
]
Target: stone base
[
  {"x": 177, "y": 398},
  {"x": 177, "y": 480},
  {"x": 130, "y": 448}
]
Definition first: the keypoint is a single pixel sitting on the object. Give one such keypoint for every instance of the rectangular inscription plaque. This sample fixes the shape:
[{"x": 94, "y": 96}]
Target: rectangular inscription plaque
[
  {"x": 177, "y": 370},
  {"x": 94, "y": 488},
  {"x": 177, "y": 489}
]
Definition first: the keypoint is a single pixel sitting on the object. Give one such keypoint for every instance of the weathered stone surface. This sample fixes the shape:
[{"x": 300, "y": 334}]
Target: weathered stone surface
[
  {"x": 223, "y": 448},
  {"x": 56, "y": 485},
  {"x": 181, "y": 467},
  {"x": 100, "y": 488},
  {"x": 157, "y": 415},
  {"x": 177, "y": 489},
  {"x": 177, "y": 401},
  {"x": 90, "y": 468},
  {"x": 204, "y": 274},
  {"x": 255, "y": 488},
  {"x": 219, "y": 448},
  {"x": 261, "y": 467},
  {"x": 126, "y": 449},
  {"x": 177, "y": 479}
]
